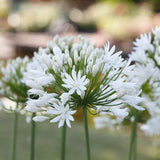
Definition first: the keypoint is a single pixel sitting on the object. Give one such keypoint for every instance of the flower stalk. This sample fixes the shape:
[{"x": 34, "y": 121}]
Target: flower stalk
[
  {"x": 86, "y": 132},
  {"x": 32, "y": 149},
  {"x": 133, "y": 141},
  {"x": 15, "y": 126},
  {"x": 63, "y": 144}
]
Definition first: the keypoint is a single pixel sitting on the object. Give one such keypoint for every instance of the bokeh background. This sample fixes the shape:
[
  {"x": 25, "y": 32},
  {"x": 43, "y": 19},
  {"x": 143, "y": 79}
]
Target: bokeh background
[{"x": 26, "y": 25}]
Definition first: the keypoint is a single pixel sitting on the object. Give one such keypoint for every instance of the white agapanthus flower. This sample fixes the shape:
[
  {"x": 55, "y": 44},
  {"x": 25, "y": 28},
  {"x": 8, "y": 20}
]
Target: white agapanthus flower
[
  {"x": 11, "y": 84},
  {"x": 143, "y": 72},
  {"x": 81, "y": 76},
  {"x": 38, "y": 99},
  {"x": 76, "y": 83},
  {"x": 64, "y": 114},
  {"x": 146, "y": 76},
  {"x": 144, "y": 43},
  {"x": 37, "y": 77},
  {"x": 156, "y": 33},
  {"x": 146, "y": 55}
]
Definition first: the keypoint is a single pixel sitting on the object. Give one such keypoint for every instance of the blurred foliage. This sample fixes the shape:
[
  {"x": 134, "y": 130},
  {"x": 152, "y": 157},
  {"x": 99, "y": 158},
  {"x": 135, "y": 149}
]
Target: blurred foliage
[
  {"x": 124, "y": 1},
  {"x": 156, "y": 5},
  {"x": 119, "y": 19},
  {"x": 115, "y": 1},
  {"x": 116, "y": 18},
  {"x": 33, "y": 16}
]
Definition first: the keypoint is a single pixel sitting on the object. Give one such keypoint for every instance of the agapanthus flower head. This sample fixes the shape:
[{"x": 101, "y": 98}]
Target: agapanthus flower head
[
  {"x": 146, "y": 55},
  {"x": 144, "y": 43},
  {"x": 80, "y": 75},
  {"x": 11, "y": 85}
]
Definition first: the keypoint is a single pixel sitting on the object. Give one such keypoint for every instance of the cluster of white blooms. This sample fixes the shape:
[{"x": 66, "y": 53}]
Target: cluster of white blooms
[
  {"x": 66, "y": 76},
  {"x": 11, "y": 84},
  {"x": 146, "y": 55},
  {"x": 146, "y": 75}
]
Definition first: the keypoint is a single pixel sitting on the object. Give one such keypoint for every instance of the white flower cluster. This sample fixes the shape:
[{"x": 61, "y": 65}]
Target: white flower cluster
[
  {"x": 66, "y": 76},
  {"x": 11, "y": 84},
  {"x": 11, "y": 75},
  {"x": 146, "y": 76},
  {"x": 146, "y": 55}
]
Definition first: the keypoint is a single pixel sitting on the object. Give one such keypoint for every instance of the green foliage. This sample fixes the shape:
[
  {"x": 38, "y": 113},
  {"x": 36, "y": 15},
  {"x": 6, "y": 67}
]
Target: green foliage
[
  {"x": 156, "y": 5},
  {"x": 147, "y": 88},
  {"x": 142, "y": 116},
  {"x": 124, "y": 1}
]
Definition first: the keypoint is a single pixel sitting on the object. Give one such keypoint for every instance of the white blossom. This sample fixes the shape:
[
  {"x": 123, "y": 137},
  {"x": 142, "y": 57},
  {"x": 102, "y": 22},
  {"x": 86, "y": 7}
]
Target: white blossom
[
  {"x": 111, "y": 58},
  {"x": 58, "y": 56},
  {"x": 64, "y": 114},
  {"x": 37, "y": 77},
  {"x": 67, "y": 75},
  {"x": 144, "y": 43},
  {"x": 75, "y": 83},
  {"x": 11, "y": 85}
]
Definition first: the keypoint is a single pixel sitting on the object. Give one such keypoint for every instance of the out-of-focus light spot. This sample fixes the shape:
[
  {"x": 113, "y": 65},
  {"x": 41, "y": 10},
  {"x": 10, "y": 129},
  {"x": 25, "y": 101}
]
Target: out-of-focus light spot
[
  {"x": 14, "y": 20},
  {"x": 75, "y": 15}
]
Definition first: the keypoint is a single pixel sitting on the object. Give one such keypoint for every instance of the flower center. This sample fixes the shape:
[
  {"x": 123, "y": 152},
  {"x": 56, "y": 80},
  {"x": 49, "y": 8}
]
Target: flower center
[{"x": 75, "y": 84}]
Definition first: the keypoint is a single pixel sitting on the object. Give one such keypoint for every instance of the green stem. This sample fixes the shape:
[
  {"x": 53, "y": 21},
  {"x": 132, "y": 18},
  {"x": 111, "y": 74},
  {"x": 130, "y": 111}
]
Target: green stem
[
  {"x": 63, "y": 144},
  {"x": 135, "y": 136},
  {"x": 133, "y": 142},
  {"x": 15, "y": 134},
  {"x": 32, "y": 149},
  {"x": 86, "y": 132}
]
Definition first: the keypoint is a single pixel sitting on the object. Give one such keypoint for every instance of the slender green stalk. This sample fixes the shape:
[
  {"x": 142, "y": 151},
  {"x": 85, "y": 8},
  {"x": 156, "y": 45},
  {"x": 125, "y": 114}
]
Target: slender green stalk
[
  {"x": 86, "y": 132},
  {"x": 135, "y": 136},
  {"x": 15, "y": 126},
  {"x": 133, "y": 142},
  {"x": 32, "y": 149},
  {"x": 63, "y": 144}
]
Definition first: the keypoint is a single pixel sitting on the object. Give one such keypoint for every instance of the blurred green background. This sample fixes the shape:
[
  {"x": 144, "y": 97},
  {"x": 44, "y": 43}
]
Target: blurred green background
[
  {"x": 105, "y": 144},
  {"x": 118, "y": 21}
]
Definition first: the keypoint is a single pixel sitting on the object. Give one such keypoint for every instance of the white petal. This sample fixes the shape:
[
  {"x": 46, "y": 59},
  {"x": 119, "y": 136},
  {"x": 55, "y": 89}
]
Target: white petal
[
  {"x": 56, "y": 119},
  {"x": 68, "y": 123},
  {"x": 112, "y": 49},
  {"x": 53, "y": 111},
  {"x": 72, "y": 112},
  {"x": 32, "y": 109},
  {"x": 74, "y": 75},
  {"x": 66, "y": 85},
  {"x": 138, "y": 107},
  {"x": 57, "y": 50},
  {"x": 70, "y": 118},
  {"x": 79, "y": 92},
  {"x": 40, "y": 118},
  {"x": 69, "y": 79},
  {"x": 61, "y": 123},
  {"x": 83, "y": 78},
  {"x": 71, "y": 91},
  {"x": 82, "y": 88},
  {"x": 79, "y": 75}
]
